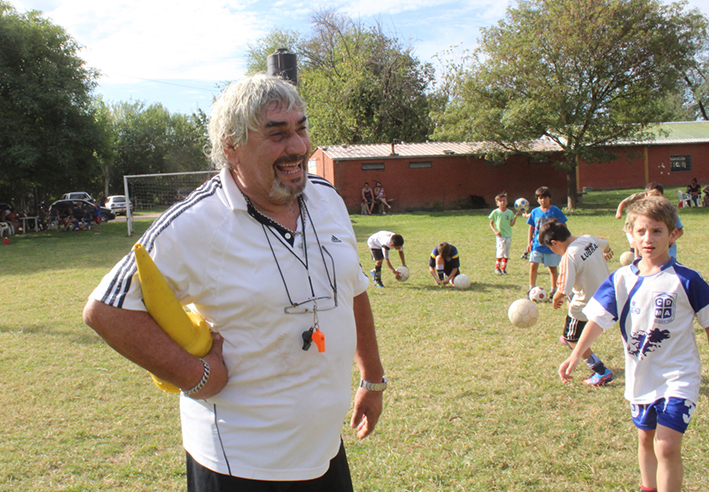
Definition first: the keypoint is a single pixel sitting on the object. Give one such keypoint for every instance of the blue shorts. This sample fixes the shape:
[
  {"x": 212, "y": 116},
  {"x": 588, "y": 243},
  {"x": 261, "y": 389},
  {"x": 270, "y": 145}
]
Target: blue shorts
[
  {"x": 550, "y": 260},
  {"x": 674, "y": 413}
]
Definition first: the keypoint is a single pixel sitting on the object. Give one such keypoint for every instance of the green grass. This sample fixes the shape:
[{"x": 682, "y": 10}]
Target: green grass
[{"x": 474, "y": 404}]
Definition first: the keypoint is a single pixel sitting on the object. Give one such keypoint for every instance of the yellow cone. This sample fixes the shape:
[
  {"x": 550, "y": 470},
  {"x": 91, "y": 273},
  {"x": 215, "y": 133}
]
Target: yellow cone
[{"x": 187, "y": 329}]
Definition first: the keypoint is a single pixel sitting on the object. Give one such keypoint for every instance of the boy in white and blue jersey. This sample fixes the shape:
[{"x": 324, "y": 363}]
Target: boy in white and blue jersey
[{"x": 655, "y": 301}]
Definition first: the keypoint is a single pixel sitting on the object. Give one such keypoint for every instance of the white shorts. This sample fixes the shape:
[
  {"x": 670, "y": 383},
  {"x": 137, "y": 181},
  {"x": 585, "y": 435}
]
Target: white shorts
[{"x": 502, "y": 249}]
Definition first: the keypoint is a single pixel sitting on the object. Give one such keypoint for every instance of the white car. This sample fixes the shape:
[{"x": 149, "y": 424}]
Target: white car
[
  {"x": 77, "y": 195},
  {"x": 117, "y": 204}
]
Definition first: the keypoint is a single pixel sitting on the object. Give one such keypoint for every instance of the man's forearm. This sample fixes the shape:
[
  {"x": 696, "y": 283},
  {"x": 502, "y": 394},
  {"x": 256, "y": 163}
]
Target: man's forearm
[{"x": 367, "y": 353}]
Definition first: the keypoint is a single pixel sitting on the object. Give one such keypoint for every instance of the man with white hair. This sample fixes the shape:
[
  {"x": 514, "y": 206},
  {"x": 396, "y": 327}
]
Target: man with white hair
[{"x": 266, "y": 254}]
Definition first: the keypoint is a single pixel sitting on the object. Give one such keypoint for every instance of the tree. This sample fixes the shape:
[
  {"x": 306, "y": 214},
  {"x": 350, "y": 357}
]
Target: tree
[
  {"x": 361, "y": 86},
  {"x": 582, "y": 73},
  {"x": 148, "y": 139},
  {"x": 49, "y": 137},
  {"x": 257, "y": 54}
]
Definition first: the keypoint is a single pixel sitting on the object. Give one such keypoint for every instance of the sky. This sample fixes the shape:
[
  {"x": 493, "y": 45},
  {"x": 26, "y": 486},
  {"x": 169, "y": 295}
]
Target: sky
[{"x": 178, "y": 52}]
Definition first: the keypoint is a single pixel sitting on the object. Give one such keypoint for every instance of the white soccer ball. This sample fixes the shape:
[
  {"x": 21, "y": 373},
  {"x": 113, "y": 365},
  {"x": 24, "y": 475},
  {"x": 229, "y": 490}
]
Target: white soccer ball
[
  {"x": 523, "y": 313},
  {"x": 461, "y": 281},
  {"x": 537, "y": 294},
  {"x": 627, "y": 258},
  {"x": 521, "y": 204},
  {"x": 404, "y": 273}
]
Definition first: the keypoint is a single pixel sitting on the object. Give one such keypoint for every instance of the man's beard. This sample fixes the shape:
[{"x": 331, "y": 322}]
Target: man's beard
[{"x": 282, "y": 193}]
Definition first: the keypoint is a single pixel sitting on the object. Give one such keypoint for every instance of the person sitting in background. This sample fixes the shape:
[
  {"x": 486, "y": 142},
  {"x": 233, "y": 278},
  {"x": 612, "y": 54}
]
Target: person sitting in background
[
  {"x": 368, "y": 198},
  {"x": 381, "y": 197},
  {"x": 695, "y": 191}
]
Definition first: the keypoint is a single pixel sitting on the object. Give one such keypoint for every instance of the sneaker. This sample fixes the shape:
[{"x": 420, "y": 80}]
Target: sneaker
[
  {"x": 379, "y": 284},
  {"x": 374, "y": 275},
  {"x": 504, "y": 272},
  {"x": 551, "y": 295},
  {"x": 600, "y": 380},
  {"x": 498, "y": 271}
]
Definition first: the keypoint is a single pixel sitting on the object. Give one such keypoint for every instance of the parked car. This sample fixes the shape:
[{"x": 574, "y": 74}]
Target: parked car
[
  {"x": 77, "y": 195},
  {"x": 62, "y": 208},
  {"x": 117, "y": 204}
]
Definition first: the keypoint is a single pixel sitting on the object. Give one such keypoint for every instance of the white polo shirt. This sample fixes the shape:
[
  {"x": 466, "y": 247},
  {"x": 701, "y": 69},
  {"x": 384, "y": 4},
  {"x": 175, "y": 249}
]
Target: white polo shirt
[{"x": 281, "y": 414}]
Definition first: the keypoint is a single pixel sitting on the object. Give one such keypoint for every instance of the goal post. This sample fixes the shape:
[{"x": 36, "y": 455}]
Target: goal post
[{"x": 155, "y": 193}]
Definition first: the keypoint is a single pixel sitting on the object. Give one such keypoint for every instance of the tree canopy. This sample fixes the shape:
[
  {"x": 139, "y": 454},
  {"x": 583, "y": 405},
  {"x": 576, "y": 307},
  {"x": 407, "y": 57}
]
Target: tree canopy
[
  {"x": 148, "y": 139},
  {"x": 582, "y": 73},
  {"x": 49, "y": 137},
  {"x": 361, "y": 85}
]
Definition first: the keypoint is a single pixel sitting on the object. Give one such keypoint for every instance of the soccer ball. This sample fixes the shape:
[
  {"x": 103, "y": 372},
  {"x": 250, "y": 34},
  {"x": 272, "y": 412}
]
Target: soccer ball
[
  {"x": 627, "y": 258},
  {"x": 537, "y": 294},
  {"x": 404, "y": 272},
  {"x": 521, "y": 204},
  {"x": 523, "y": 313},
  {"x": 461, "y": 281}
]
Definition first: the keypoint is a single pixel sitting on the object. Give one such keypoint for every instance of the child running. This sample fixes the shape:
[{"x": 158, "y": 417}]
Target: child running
[
  {"x": 540, "y": 253},
  {"x": 583, "y": 269},
  {"x": 379, "y": 245},
  {"x": 501, "y": 221},
  {"x": 655, "y": 300}
]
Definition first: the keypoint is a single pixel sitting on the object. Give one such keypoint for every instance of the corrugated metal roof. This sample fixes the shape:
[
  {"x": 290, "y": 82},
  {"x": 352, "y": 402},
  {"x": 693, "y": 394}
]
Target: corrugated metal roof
[
  {"x": 681, "y": 132},
  {"x": 675, "y": 132},
  {"x": 420, "y": 150}
]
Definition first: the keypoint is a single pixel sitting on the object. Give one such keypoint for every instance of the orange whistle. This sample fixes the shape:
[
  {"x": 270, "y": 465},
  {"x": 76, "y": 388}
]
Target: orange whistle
[{"x": 319, "y": 340}]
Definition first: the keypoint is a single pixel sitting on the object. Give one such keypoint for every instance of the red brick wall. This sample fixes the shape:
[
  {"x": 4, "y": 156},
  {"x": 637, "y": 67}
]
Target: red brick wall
[
  {"x": 447, "y": 184},
  {"x": 628, "y": 170}
]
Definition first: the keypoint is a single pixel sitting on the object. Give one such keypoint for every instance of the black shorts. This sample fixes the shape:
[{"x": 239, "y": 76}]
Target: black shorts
[
  {"x": 377, "y": 254},
  {"x": 573, "y": 329},
  {"x": 336, "y": 479}
]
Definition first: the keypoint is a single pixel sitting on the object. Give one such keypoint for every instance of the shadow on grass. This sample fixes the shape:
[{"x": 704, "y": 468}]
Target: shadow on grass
[{"x": 79, "y": 337}]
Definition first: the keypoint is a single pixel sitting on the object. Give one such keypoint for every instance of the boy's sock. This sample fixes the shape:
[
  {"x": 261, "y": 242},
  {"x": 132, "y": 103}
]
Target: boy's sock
[
  {"x": 503, "y": 264},
  {"x": 378, "y": 273},
  {"x": 497, "y": 263},
  {"x": 441, "y": 273},
  {"x": 647, "y": 489},
  {"x": 595, "y": 364}
]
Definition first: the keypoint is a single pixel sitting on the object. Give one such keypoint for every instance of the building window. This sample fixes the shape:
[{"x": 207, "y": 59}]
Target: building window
[
  {"x": 420, "y": 165},
  {"x": 372, "y": 166},
  {"x": 680, "y": 163},
  {"x": 313, "y": 166}
]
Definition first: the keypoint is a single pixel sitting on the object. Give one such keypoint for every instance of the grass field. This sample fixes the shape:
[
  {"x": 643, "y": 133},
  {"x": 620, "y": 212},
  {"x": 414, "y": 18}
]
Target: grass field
[{"x": 474, "y": 404}]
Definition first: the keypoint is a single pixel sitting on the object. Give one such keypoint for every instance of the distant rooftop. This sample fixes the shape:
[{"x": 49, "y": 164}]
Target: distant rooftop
[{"x": 681, "y": 132}]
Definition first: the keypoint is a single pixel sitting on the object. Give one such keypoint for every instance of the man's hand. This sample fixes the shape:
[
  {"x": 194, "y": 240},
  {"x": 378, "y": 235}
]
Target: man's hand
[
  {"x": 367, "y": 409},
  {"x": 218, "y": 373}
]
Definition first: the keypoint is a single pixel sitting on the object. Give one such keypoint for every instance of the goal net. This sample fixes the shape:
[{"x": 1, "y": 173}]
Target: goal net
[{"x": 152, "y": 194}]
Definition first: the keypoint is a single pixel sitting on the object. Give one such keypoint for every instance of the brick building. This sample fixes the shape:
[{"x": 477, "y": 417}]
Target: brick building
[{"x": 439, "y": 175}]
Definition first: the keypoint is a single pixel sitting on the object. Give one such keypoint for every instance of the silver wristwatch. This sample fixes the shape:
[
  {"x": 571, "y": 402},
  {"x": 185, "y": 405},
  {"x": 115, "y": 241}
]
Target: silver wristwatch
[{"x": 374, "y": 386}]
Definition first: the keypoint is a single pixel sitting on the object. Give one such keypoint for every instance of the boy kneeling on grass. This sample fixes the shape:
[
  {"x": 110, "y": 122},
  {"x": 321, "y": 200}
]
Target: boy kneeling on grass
[{"x": 655, "y": 300}]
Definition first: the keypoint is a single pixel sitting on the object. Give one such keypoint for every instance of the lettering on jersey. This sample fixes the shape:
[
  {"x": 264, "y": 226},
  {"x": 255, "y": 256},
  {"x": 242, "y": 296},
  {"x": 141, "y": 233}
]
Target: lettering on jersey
[
  {"x": 588, "y": 251},
  {"x": 643, "y": 343},
  {"x": 664, "y": 307}
]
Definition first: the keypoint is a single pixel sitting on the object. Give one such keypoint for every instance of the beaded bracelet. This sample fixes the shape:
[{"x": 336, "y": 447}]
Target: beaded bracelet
[{"x": 200, "y": 385}]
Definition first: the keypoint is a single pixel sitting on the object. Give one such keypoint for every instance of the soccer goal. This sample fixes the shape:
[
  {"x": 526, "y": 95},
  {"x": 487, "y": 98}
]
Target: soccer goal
[{"x": 154, "y": 193}]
